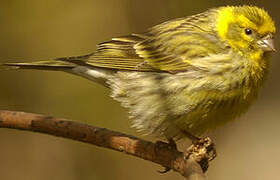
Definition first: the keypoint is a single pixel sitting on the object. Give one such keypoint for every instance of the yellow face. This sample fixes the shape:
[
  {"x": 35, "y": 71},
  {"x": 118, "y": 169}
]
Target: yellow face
[{"x": 246, "y": 29}]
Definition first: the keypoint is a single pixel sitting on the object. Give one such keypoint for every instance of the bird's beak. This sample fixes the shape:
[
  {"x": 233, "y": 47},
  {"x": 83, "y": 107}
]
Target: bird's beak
[{"x": 267, "y": 44}]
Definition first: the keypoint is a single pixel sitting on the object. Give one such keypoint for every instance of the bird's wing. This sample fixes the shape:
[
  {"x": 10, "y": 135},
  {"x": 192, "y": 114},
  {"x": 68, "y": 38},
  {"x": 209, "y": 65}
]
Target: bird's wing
[
  {"x": 171, "y": 46},
  {"x": 119, "y": 54}
]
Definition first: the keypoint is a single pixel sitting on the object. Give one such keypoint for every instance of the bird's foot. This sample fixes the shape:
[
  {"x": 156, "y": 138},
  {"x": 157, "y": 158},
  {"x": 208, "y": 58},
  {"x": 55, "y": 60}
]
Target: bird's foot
[
  {"x": 203, "y": 151},
  {"x": 171, "y": 145}
]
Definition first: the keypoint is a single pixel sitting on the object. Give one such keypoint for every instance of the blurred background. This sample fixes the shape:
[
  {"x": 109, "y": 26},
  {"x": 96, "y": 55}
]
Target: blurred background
[{"x": 36, "y": 30}]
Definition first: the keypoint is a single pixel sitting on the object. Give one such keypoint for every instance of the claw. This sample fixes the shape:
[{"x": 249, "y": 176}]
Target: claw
[
  {"x": 172, "y": 145},
  {"x": 166, "y": 170}
]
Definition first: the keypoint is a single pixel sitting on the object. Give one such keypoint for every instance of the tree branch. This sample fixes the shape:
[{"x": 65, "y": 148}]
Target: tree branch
[{"x": 161, "y": 153}]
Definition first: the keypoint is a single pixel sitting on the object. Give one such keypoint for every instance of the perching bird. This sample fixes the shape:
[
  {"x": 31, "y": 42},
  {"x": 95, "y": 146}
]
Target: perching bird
[{"x": 190, "y": 74}]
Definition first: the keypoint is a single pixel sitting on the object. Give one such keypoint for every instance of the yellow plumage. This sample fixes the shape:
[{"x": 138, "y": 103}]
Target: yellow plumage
[{"x": 190, "y": 74}]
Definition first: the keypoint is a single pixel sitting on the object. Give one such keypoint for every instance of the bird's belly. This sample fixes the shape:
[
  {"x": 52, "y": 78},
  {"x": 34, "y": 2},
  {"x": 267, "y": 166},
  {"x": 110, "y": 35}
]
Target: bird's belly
[{"x": 213, "y": 112}]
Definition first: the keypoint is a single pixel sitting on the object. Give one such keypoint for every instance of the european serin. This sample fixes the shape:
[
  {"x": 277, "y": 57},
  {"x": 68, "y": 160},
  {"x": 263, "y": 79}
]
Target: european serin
[{"x": 190, "y": 74}]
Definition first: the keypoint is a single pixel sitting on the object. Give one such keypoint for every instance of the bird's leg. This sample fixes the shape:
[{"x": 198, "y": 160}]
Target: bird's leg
[
  {"x": 191, "y": 136},
  {"x": 202, "y": 150},
  {"x": 172, "y": 145}
]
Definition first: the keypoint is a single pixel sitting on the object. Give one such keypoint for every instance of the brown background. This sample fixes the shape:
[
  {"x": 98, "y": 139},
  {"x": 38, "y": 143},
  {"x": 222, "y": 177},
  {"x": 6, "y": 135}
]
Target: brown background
[{"x": 40, "y": 29}]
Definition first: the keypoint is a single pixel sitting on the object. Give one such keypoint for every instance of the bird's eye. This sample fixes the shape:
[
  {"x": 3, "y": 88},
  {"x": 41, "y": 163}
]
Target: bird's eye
[{"x": 248, "y": 31}]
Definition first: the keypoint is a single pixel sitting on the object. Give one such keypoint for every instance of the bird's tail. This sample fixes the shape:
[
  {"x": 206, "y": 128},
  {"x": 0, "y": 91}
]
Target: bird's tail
[{"x": 51, "y": 65}]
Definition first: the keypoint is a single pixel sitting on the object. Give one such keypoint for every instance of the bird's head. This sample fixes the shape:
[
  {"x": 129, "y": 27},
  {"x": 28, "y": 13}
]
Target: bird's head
[{"x": 247, "y": 29}]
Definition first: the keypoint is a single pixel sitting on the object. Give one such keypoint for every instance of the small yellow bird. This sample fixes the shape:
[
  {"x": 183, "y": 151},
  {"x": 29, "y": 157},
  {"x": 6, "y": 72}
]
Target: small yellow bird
[{"x": 187, "y": 75}]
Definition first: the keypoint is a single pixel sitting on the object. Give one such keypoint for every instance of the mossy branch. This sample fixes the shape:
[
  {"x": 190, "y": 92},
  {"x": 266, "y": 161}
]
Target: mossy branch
[{"x": 160, "y": 153}]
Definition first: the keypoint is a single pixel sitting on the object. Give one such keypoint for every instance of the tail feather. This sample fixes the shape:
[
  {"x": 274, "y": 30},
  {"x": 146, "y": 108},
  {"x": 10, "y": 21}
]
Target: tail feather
[{"x": 39, "y": 65}]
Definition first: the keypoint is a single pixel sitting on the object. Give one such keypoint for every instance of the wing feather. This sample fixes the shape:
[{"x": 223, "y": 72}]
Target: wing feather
[
  {"x": 171, "y": 46},
  {"x": 119, "y": 53}
]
